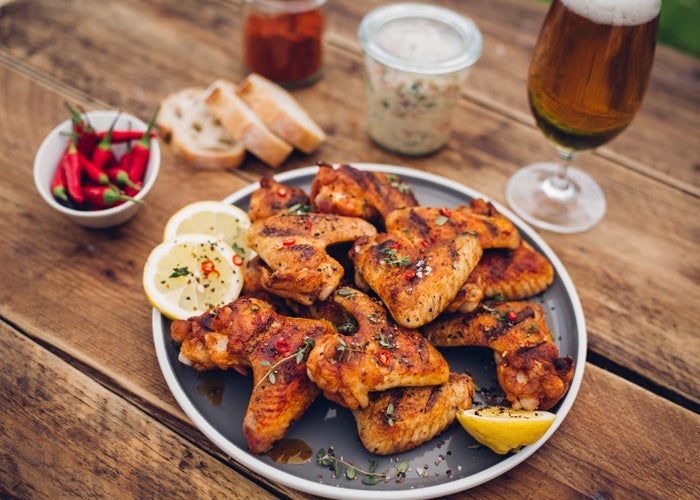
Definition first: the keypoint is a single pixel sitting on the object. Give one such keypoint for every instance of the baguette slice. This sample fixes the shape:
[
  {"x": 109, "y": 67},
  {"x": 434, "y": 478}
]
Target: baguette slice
[
  {"x": 194, "y": 132},
  {"x": 245, "y": 126},
  {"x": 281, "y": 112}
]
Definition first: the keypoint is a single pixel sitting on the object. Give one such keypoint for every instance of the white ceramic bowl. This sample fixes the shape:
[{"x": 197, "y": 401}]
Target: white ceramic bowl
[{"x": 55, "y": 144}]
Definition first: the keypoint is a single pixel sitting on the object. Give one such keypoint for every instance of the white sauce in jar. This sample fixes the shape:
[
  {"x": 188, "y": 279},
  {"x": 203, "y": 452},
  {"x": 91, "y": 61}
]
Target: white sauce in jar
[{"x": 418, "y": 56}]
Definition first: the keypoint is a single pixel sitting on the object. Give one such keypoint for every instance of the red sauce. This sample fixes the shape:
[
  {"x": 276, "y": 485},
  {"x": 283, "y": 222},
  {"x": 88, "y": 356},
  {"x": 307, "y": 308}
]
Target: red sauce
[{"x": 285, "y": 47}]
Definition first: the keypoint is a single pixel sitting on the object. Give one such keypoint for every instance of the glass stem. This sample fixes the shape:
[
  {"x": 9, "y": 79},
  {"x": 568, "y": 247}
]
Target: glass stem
[{"x": 558, "y": 186}]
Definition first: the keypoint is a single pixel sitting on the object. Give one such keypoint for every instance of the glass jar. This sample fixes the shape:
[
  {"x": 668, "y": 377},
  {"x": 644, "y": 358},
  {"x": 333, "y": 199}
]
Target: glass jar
[
  {"x": 417, "y": 57},
  {"x": 283, "y": 39}
]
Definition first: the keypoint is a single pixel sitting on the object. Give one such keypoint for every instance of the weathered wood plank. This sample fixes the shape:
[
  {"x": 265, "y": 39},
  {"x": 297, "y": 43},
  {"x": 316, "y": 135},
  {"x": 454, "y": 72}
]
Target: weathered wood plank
[{"x": 78, "y": 439}]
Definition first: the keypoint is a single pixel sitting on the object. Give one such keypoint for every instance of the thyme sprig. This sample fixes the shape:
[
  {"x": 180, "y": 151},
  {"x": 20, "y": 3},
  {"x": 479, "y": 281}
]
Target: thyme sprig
[
  {"x": 297, "y": 355},
  {"x": 372, "y": 477},
  {"x": 343, "y": 347},
  {"x": 393, "y": 260}
]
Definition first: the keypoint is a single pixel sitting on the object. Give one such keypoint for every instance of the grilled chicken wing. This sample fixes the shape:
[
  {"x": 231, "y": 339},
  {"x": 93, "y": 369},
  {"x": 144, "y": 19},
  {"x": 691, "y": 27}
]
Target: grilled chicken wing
[
  {"x": 506, "y": 274},
  {"x": 430, "y": 224},
  {"x": 273, "y": 198},
  {"x": 377, "y": 355},
  {"x": 401, "y": 419},
  {"x": 293, "y": 248},
  {"x": 528, "y": 366},
  {"x": 248, "y": 333},
  {"x": 415, "y": 282},
  {"x": 359, "y": 193}
]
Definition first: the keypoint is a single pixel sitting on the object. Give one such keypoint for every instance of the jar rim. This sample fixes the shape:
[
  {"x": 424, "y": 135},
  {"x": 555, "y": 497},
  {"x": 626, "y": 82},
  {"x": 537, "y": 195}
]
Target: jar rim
[
  {"x": 289, "y": 6},
  {"x": 463, "y": 26}
]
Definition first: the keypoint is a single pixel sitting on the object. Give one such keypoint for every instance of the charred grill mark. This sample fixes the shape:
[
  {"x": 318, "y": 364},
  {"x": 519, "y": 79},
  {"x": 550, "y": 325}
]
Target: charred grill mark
[
  {"x": 433, "y": 397},
  {"x": 419, "y": 223},
  {"x": 356, "y": 175}
]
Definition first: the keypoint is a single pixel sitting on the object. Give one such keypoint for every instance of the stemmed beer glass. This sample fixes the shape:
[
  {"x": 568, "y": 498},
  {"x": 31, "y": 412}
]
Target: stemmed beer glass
[{"x": 587, "y": 78}]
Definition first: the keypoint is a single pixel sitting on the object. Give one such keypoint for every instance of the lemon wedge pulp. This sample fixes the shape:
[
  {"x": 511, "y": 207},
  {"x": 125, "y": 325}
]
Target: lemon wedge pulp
[
  {"x": 220, "y": 220},
  {"x": 188, "y": 274},
  {"x": 504, "y": 429}
]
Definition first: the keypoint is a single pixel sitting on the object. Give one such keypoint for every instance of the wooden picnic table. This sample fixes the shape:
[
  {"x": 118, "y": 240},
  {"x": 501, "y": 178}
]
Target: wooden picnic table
[{"x": 85, "y": 410}]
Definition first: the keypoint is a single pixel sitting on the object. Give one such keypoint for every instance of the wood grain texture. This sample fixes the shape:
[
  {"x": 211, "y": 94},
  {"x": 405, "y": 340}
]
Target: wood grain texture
[{"x": 78, "y": 439}]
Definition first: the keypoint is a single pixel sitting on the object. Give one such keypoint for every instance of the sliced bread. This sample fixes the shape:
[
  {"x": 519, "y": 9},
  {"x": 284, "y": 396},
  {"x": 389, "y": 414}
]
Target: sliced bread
[
  {"x": 245, "y": 125},
  {"x": 281, "y": 112},
  {"x": 195, "y": 134}
]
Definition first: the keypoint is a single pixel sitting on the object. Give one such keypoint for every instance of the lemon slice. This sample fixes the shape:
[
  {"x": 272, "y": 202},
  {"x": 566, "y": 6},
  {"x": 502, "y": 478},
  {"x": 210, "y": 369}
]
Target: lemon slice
[
  {"x": 221, "y": 220},
  {"x": 190, "y": 273},
  {"x": 504, "y": 429}
]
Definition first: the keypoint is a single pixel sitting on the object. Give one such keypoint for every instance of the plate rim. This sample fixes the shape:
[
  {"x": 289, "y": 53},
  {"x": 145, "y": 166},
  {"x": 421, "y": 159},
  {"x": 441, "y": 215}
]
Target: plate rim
[{"x": 290, "y": 480}]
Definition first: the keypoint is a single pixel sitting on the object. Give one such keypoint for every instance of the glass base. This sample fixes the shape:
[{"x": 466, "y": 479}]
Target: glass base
[{"x": 544, "y": 199}]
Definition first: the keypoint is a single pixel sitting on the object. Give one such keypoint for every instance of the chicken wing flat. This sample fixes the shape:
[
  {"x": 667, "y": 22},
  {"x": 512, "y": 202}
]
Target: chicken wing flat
[
  {"x": 294, "y": 249},
  {"x": 375, "y": 355},
  {"x": 273, "y": 198},
  {"x": 415, "y": 282},
  {"x": 248, "y": 333},
  {"x": 528, "y": 366},
  {"x": 427, "y": 225},
  {"x": 349, "y": 191},
  {"x": 506, "y": 275},
  {"x": 401, "y": 419}
]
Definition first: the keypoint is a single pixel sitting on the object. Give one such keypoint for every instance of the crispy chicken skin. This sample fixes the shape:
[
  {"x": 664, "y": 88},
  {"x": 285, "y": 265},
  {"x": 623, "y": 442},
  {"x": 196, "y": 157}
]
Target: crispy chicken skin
[
  {"x": 379, "y": 355},
  {"x": 349, "y": 191},
  {"x": 528, "y": 366},
  {"x": 403, "y": 418},
  {"x": 293, "y": 247},
  {"x": 248, "y": 333},
  {"x": 432, "y": 224},
  {"x": 273, "y": 198},
  {"x": 506, "y": 274},
  {"x": 415, "y": 282}
]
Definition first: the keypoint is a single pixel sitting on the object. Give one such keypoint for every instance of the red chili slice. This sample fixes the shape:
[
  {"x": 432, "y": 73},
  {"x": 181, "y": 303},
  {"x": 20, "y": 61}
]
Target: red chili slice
[
  {"x": 409, "y": 274},
  {"x": 395, "y": 245},
  {"x": 289, "y": 242},
  {"x": 237, "y": 260},
  {"x": 446, "y": 212},
  {"x": 384, "y": 357},
  {"x": 511, "y": 316},
  {"x": 282, "y": 192},
  {"x": 208, "y": 266},
  {"x": 282, "y": 346}
]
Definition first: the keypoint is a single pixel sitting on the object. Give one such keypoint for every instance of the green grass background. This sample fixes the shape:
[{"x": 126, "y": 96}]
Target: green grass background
[{"x": 679, "y": 25}]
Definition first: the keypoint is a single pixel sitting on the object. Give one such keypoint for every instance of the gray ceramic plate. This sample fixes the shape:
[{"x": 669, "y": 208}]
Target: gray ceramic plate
[{"x": 449, "y": 463}]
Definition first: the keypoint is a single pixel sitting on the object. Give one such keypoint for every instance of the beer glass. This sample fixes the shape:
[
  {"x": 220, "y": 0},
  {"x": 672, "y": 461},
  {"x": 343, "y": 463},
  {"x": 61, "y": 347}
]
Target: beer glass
[{"x": 588, "y": 74}]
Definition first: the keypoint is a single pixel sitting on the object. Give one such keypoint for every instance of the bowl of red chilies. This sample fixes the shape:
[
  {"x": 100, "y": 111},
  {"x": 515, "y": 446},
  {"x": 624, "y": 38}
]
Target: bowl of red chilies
[{"x": 97, "y": 167}]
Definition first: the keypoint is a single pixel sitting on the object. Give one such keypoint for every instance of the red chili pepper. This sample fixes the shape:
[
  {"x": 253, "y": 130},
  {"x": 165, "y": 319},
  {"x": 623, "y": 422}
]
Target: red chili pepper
[
  {"x": 511, "y": 316},
  {"x": 103, "y": 155},
  {"x": 86, "y": 136},
  {"x": 309, "y": 224},
  {"x": 92, "y": 171},
  {"x": 384, "y": 357},
  {"x": 208, "y": 268},
  {"x": 141, "y": 152},
  {"x": 99, "y": 197},
  {"x": 120, "y": 177},
  {"x": 395, "y": 245},
  {"x": 289, "y": 242},
  {"x": 73, "y": 170},
  {"x": 282, "y": 346},
  {"x": 424, "y": 243},
  {"x": 58, "y": 182},
  {"x": 237, "y": 260},
  {"x": 446, "y": 212},
  {"x": 282, "y": 192},
  {"x": 409, "y": 274},
  {"x": 122, "y": 136}
]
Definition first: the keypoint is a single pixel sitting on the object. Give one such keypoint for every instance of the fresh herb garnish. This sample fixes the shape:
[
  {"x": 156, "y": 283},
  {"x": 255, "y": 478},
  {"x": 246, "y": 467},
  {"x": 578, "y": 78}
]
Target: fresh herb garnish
[
  {"x": 393, "y": 260},
  {"x": 372, "y": 477},
  {"x": 297, "y": 355},
  {"x": 179, "y": 271}
]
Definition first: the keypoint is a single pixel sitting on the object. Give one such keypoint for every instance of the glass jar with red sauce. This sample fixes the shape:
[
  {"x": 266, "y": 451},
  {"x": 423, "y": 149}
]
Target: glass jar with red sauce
[{"x": 283, "y": 39}]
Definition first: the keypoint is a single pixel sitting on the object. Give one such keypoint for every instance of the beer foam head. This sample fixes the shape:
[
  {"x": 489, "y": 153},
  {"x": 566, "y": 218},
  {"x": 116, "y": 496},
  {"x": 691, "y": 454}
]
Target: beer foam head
[{"x": 615, "y": 12}]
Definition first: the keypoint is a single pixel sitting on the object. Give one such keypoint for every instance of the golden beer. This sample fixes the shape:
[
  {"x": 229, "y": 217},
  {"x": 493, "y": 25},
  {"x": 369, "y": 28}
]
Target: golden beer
[{"x": 590, "y": 69}]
